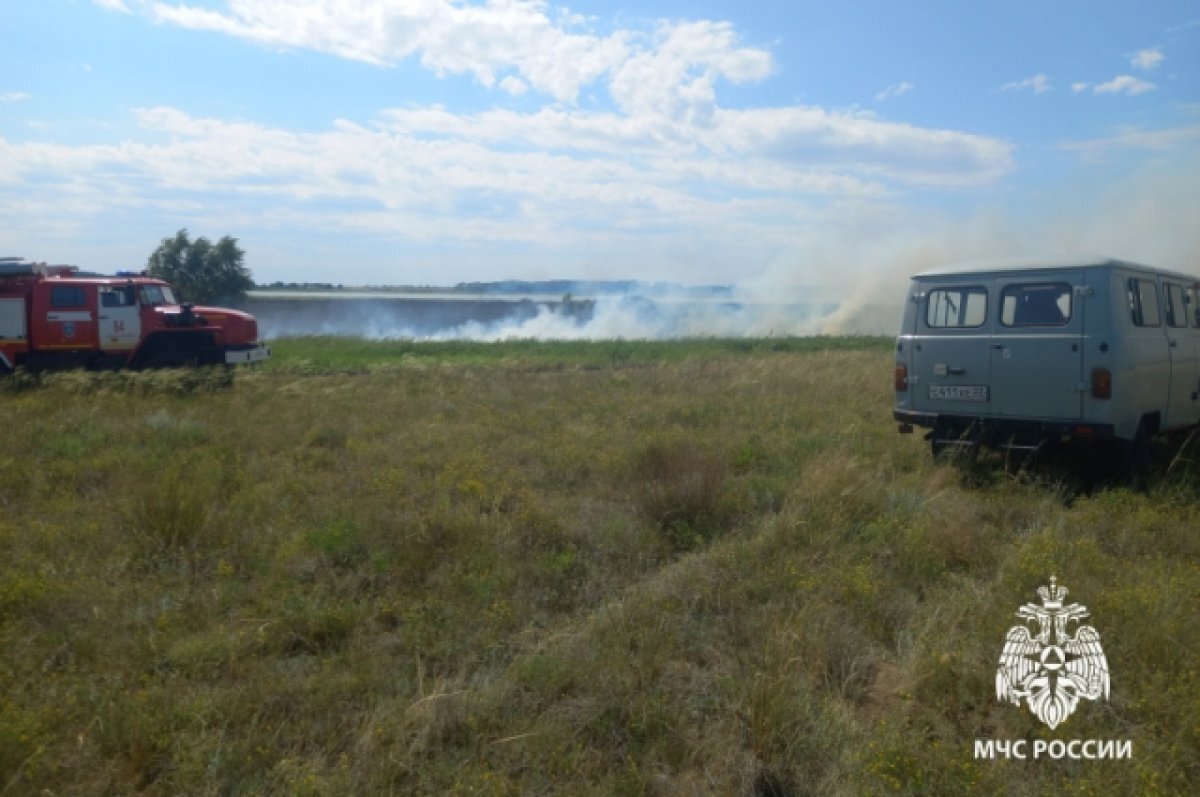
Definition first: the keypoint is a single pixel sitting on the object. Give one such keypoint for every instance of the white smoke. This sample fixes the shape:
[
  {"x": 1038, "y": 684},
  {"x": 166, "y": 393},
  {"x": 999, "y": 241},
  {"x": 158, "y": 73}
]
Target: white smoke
[
  {"x": 626, "y": 316},
  {"x": 845, "y": 269},
  {"x": 865, "y": 256},
  {"x": 632, "y": 317}
]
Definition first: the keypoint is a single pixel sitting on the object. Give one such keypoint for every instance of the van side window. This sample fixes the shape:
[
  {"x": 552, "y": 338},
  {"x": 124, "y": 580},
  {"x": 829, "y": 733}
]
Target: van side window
[
  {"x": 1176, "y": 306},
  {"x": 956, "y": 307},
  {"x": 1143, "y": 302},
  {"x": 1193, "y": 302},
  {"x": 67, "y": 296},
  {"x": 1041, "y": 305}
]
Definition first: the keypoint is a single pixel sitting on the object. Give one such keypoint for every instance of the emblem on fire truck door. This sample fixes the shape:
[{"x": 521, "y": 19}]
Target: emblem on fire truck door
[{"x": 1049, "y": 668}]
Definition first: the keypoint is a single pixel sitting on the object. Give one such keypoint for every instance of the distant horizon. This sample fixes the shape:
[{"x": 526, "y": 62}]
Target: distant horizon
[{"x": 550, "y": 285}]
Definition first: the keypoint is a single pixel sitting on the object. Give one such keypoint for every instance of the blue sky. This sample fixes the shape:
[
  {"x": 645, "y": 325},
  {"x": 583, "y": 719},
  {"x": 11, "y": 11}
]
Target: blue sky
[{"x": 769, "y": 144}]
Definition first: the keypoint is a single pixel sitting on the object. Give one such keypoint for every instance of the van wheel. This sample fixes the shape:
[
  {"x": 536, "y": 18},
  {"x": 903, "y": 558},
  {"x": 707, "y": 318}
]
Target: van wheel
[{"x": 1139, "y": 455}]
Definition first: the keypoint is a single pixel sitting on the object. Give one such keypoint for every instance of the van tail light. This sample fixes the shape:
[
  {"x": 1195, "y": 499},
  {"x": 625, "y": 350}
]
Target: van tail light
[
  {"x": 901, "y": 378},
  {"x": 1101, "y": 383}
]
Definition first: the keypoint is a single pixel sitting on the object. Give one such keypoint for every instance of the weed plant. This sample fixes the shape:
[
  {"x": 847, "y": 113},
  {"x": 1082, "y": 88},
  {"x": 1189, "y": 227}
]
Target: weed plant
[{"x": 696, "y": 567}]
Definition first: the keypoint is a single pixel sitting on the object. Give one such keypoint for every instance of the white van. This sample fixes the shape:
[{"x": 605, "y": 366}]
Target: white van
[{"x": 1012, "y": 355}]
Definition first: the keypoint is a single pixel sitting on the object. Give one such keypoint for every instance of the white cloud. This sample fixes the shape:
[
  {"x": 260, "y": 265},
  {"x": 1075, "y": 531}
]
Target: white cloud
[
  {"x": 1148, "y": 59},
  {"x": 14, "y": 96},
  {"x": 864, "y": 145},
  {"x": 552, "y": 181},
  {"x": 448, "y": 37},
  {"x": 663, "y": 83},
  {"x": 514, "y": 85},
  {"x": 674, "y": 67},
  {"x": 1137, "y": 138},
  {"x": 895, "y": 90},
  {"x": 113, "y": 5},
  {"x": 676, "y": 76},
  {"x": 1124, "y": 84},
  {"x": 1037, "y": 84},
  {"x": 804, "y": 139},
  {"x": 1080, "y": 87}
]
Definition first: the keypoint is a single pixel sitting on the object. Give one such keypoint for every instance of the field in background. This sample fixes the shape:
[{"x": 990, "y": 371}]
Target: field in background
[{"x": 689, "y": 567}]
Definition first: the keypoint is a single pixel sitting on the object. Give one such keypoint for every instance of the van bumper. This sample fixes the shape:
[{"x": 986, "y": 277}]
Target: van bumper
[{"x": 1002, "y": 432}]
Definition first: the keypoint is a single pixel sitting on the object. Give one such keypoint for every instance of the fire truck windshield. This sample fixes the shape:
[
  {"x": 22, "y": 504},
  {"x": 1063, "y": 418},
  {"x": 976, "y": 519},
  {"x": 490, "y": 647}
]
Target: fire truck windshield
[{"x": 157, "y": 294}]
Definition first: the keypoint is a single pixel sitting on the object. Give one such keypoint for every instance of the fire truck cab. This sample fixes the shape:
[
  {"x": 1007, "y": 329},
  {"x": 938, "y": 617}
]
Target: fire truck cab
[{"x": 50, "y": 316}]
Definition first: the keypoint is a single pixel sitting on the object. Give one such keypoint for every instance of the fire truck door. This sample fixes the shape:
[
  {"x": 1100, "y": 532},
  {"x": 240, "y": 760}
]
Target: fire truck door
[
  {"x": 120, "y": 322},
  {"x": 63, "y": 317}
]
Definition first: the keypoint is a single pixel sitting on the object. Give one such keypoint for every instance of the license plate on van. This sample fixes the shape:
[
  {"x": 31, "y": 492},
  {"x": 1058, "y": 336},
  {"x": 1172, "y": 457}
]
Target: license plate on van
[{"x": 959, "y": 392}]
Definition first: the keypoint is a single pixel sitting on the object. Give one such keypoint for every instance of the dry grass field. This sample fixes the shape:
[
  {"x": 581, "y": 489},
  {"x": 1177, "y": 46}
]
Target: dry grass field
[{"x": 701, "y": 567}]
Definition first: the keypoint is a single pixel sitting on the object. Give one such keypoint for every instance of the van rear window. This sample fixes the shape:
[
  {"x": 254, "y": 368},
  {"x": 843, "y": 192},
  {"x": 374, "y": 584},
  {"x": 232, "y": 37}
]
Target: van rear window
[
  {"x": 1143, "y": 302},
  {"x": 956, "y": 307},
  {"x": 1036, "y": 305}
]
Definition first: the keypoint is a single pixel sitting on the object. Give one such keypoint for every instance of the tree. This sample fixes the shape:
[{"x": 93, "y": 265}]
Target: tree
[{"x": 199, "y": 270}]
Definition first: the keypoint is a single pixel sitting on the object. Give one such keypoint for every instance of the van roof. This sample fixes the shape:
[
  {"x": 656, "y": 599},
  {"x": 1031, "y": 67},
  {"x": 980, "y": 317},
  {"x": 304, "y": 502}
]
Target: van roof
[{"x": 1044, "y": 264}]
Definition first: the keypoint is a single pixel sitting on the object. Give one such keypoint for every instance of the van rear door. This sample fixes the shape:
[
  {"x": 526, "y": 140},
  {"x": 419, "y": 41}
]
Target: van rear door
[
  {"x": 951, "y": 354},
  {"x": 1037, "y": 345}
]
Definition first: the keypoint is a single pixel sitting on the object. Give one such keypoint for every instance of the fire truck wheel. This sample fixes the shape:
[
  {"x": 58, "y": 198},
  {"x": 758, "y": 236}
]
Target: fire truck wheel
[{"x": 164, "y": 357}]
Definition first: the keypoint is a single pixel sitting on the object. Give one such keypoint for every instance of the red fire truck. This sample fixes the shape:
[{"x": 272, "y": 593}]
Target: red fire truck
[{"x": 51, "y": 316}]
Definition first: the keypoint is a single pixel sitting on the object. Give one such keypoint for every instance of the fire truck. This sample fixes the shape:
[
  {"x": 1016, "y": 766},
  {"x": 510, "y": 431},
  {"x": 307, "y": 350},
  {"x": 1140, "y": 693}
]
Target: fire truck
[{"x": 55, "y": 317}]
